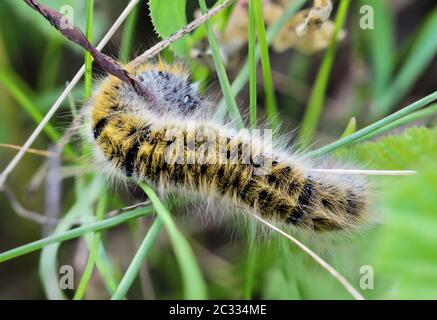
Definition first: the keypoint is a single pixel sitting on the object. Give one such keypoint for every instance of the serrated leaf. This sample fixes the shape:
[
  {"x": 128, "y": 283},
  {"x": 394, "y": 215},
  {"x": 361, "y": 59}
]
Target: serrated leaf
[
  {"x": 168, "y": 17},
  {"x": 415, "y": 147},
  {"x": 405, "y": 252}
]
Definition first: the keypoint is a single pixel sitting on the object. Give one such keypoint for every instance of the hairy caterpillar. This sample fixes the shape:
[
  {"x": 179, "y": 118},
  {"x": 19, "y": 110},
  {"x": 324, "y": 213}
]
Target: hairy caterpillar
[{"x": 132, "y": 137}]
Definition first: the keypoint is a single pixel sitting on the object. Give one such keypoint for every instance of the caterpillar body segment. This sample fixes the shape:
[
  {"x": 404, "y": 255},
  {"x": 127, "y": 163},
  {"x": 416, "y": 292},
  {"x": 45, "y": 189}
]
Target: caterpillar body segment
[{"x": 164, "y": 143}]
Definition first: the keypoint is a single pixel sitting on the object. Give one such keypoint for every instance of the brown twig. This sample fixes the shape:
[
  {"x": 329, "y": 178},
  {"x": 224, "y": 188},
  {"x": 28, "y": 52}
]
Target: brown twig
[{"x": 74, "y": 34}]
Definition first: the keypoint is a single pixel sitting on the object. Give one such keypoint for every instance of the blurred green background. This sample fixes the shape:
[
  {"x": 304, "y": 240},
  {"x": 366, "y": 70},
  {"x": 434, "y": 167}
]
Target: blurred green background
[{"x": 375, "y": 72}]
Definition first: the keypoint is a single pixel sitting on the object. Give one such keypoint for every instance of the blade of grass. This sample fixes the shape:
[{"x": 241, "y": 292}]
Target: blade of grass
[
  {"x": 194, "y": 285},
  {"x": 269, "y": 90},
  {"x": 418, "y": 115},
  {"x": 75, "y": 233},
  {"x": 376, "y": 125},
  {"x": 31, "y": 109},
  {"x": 106, "y": 269},
  {"x": 87, "y": 194},
  {"x": 15, "y": 91},
  {"x": 83, "y": 283},
  {"x": 128, "y": 34},
  {"x": 421, "y": 54},
  {"x": 381, "y": 44},
  {"x": 242, "y": 77},
  {"x": 350, "y": 128},
  {"x": 252, "y": 63},
  {"x": 50, "y": 64},
  {"x": 221, "y": 72},
  {"x": 137, "y": 261},
  {"x": 317, "y": 99},
  {"x": 88, "y": 57}
]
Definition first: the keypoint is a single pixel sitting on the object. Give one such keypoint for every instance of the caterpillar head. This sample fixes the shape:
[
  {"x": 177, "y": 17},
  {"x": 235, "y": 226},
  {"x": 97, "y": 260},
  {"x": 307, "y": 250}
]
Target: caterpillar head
[{"x": 171, "y": 88}]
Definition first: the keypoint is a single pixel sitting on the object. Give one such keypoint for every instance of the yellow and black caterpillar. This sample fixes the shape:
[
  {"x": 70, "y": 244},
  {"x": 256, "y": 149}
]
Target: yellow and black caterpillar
[{"x": 136, "y": 138}]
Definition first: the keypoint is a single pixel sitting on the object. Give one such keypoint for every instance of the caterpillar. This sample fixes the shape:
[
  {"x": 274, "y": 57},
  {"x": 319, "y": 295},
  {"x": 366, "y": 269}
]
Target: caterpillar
[{"x": 135, "y": 139}]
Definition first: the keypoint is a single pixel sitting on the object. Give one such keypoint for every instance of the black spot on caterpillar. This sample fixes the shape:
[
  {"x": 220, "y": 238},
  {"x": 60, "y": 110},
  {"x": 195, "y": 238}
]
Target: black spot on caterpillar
[{"x": 166, "y": 144}]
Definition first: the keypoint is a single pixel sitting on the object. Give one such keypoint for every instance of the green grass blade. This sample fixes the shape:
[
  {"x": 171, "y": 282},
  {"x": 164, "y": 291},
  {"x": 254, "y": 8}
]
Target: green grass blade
[
  {"x": 317, "y": 99},
  {"x": 194, "y": 285},
  {"x": 350, "y": 128},
  {"x": 87, "y": 195},
  {"x": 137, "y": 261},
  {"x": 106, "y": 269},
  {"x": 75, "y": 233},
  {"x": 88, "y": 57},
  {"x": 271, "y": 103},
  {"x": 50, "y": 64},
  {"x": 421, "y": 54},
  {"x": 418, "y": 115},
  {"x": 221, "y": 72},
  {"x": 243, "y": 76},
  {"x": 381, "y": 44},
  {"x": 128, "y": 34},
  {"x": 376, "y": 126},
  {"x": 252, "y": 64},
  {"x": 80, "y": 292},
  {"x": 27, "y": 104}
]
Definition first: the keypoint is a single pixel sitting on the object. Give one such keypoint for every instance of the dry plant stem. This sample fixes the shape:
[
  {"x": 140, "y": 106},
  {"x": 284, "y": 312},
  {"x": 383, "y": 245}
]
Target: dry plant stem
[
  {"x": 64, "y": 95},
  {"x": 37, "y": 152},
  {"x": 179, "y": 34},
  {"x": 53, "y": 189},
  {"x": 342, "y": 280},
  {"x": 27, "y": 214}
]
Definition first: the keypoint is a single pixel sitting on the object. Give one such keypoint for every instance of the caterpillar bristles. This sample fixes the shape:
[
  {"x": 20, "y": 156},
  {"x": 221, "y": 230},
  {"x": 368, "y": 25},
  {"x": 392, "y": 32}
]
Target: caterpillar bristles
[{"x": 174, "y": 145}]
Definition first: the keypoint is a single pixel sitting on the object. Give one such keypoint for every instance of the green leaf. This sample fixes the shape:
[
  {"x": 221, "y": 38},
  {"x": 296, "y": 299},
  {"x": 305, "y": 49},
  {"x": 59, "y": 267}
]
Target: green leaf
[
  {"x": 168, "y": 17},
  {"x": 416, "y": 146},
  {"x": 404, "y": 253}
]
